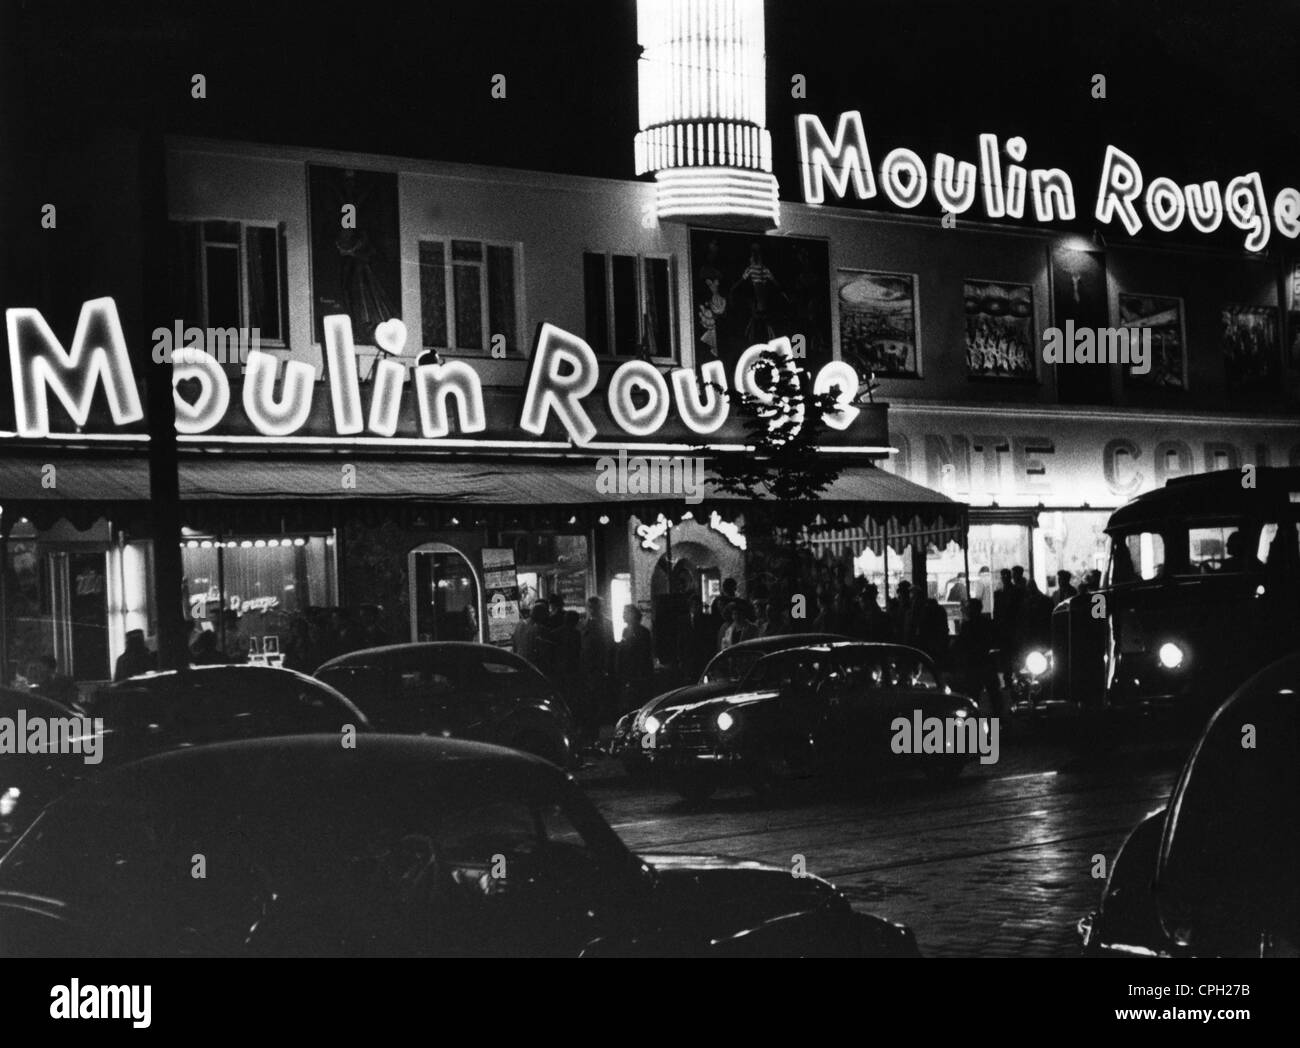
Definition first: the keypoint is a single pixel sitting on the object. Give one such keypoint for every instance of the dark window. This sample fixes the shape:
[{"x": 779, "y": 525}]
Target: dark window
[
  {"x": 628, "y": 305},
  {"x": 593, "y": 278},
  {"x": 266, "y": 282},
  {"x": 626, "y": 313}
]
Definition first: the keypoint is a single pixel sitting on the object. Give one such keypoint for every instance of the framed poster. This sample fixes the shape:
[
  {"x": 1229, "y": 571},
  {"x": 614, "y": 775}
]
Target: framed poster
[
  {"x": 1164, "y": 317},
  {"x": 501, "y": 595},
  {"x": 355, "y": 248},
  {"x": 748, "y": 288},
  {"x": 1250, "y": 346},
  {"x": 878, "y": 322},
  {"x": 1293, "y": 318},
  {"x": 1000, "y": 341}
]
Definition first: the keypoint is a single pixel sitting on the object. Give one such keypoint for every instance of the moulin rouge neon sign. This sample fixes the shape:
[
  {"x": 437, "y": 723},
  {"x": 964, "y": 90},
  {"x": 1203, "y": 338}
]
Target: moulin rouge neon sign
[
  {"x": 563, "y": 372},
  {"x": 842, "y": 163}
]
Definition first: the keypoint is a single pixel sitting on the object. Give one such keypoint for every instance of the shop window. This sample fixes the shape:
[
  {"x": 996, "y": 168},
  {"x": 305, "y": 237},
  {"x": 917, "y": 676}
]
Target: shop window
[
  {"x": 231, "y": 275},
  {"x": 467, "y": 295},
  {"x": 264, "y": 582},
  {"x": 549, "y": 563},
  {"x": 629, "y": 305}
]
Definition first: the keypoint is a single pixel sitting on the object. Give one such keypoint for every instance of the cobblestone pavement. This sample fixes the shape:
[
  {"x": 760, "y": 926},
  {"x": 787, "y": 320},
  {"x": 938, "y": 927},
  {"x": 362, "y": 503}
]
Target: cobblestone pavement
[{"x": 998, "y": 864}]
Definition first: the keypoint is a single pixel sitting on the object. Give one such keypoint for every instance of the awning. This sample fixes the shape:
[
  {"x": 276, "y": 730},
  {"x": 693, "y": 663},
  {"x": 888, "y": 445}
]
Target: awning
[{"x": 860, "y": 497}]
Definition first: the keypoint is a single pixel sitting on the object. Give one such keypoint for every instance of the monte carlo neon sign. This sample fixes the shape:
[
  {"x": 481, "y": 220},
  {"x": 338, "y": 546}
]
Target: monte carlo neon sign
[
  {"x": 277, "y": 396},
  {"x": 841, "y": 162}
]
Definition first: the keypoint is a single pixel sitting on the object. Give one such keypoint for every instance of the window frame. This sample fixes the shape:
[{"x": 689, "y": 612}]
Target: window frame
[
  {"x": 610, "y": 342},
  {"x": 200, "y": 270},
  {"x": 449, "y": 295}
]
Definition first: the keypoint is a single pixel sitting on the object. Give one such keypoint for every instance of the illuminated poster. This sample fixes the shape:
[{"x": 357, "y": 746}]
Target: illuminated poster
[
  {"x": 1249, "y": 346},
  {"x": 878, "y": 329},
  {"x": 1293, "y": 318},
  {"x": 747, "y": 288},
  {"x": 501, "y": 591},
  {"x": 1164, "y": 316},
  {"x": 1000, "y": 330},
  {"x": 355, "y": 248}
]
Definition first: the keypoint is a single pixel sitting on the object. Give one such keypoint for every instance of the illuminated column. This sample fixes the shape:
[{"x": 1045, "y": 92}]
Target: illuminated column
[{"x": 703, "y": 106}]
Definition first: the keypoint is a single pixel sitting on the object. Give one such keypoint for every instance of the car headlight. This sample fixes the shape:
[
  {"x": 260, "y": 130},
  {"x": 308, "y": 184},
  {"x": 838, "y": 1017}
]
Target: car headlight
[
  {"x": 652, "y": 724},
  {"x": 961, "y": 713},
  {"x": 1170, "y": 655},
  {"x": 725, "y": 721},
  {"x": 1036, "y": 663}
]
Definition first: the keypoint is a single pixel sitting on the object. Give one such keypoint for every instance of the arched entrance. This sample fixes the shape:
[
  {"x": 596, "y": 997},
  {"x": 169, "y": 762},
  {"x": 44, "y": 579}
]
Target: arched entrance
[{"x": 445, "y": 594}]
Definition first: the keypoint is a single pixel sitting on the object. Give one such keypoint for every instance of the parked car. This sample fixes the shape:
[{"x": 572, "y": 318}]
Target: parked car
[
  {"x": 725, "y": 673},
  {"x": 459, "y": 690},
  {"x": 1216, "y": 873},
  {"x": 823, "y": 708},
  {"x": 402, "y": 846},
  {"x": 30, "y": 780},
  {"x": 161, "y": 710}
]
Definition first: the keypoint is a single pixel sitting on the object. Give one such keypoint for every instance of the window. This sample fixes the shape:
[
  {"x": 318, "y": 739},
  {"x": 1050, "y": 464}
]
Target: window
[
  {"x": 629, "y": 305},
  {"x": 1137, "y": 556},
  {"x": 467, "y": 295},
  {"x": 228, "y": 274}
]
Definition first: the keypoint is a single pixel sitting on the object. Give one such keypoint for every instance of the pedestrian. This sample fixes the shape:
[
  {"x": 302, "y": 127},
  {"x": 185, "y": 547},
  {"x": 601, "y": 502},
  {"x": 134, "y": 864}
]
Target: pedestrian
[
  {"x": 135, "y": 659},
  {"x": 932, "y": 631},
  {"x": 876, "y": 624},
  {"x": 634, "y": 660},
  {"x": 1064, "y": 591},
  {"x": 972, "y": 657},
  {"x": 205, "y": 652},
  {"x": 737, "y": 629},
  {"x": 595, "y": 664},
  {"x": 566, "y": 655},
  {"x": 530, "y": 641}
]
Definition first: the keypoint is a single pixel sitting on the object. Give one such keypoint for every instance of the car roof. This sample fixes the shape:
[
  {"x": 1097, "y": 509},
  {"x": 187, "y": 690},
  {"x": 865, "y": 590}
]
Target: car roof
[
  {"x": 1218, "y": 493},
  {"x": 782, "y": 641},
  {"x": 388, "y": 650},
  {"x": 847, "y": 646},
  {"x": 262, "y": 766},
  {"x": 33, "y": 700},
  {"x": 206, "y": 672}
]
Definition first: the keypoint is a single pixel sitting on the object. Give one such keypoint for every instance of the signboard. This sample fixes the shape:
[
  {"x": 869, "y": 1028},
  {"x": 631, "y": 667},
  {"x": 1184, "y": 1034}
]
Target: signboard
[
  {"x": 89, "y": 388},
  {"x": 1029, "y": 457},
  {"x": 840, "y": 163},
  {"x": 501, "y": 589}
]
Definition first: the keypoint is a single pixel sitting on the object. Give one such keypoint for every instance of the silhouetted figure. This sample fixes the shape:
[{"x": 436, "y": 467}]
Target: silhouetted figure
[
  {"x": 1064, "y": 591},
  {"x": 136, "y": 659},
  {"x": 595, "y": 665},
  {"x": 971, "y": 658},
  {"x": 738, "y": 628},
  {"x": 634, "y": 659},
  {"x": 531, "y": 642}
]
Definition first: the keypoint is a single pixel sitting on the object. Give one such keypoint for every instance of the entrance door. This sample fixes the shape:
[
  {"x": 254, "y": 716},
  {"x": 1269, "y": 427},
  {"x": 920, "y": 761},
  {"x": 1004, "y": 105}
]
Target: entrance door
[{"x": 444, "y": 594}]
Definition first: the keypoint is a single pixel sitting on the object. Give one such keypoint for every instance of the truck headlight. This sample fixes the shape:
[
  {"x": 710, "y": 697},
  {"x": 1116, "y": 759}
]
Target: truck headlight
[
  {"x": 725, "y": 721},
  {"x": 1170, "y": 655},
  {"x": 652, "y": 724}
]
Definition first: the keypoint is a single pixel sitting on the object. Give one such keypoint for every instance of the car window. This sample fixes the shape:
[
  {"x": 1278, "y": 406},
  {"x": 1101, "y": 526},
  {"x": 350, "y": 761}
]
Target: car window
[
  {"x": 721, "y": 670},
  {"x": 261, "y": 703},
  {"x": 362, "y": 682},
  {"x": 1140, "y": 555},
  {"x": 1222, "y": 548},
  {"x": 500, "y": 671}
]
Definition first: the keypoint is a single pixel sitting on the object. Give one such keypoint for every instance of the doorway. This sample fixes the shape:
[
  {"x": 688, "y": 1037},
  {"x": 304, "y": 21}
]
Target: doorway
[{"x": 445, "y": 594}]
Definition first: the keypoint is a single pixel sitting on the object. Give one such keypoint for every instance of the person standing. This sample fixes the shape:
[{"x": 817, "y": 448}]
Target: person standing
[
  {"x": 1064, "y": 591},
  {"x": 634, "y": 659},
  {"x": 595, "y": 661},
  {"x": 737, "y": 628},
  {"x": 136, "y": 659},
  {"x": 530, "y": 641}
]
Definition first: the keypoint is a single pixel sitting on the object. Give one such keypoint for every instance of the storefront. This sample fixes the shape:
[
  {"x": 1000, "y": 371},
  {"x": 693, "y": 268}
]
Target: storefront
[{"x": 1042, "y": 483}]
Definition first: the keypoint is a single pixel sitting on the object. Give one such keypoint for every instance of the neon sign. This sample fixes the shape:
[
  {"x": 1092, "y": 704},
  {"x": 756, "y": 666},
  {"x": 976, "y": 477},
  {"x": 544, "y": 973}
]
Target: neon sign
[
  {"x": 277, "y": 395},
  {"x": 840, "y": 164}
]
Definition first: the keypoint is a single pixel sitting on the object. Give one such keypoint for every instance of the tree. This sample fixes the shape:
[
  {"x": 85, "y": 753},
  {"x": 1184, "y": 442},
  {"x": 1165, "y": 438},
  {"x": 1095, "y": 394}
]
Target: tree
[{"x": 787, "y": 469}]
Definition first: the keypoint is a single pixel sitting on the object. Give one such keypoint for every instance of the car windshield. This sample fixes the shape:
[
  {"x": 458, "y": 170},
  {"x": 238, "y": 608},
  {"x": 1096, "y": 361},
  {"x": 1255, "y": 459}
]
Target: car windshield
[{"x": 902, "y": 669}]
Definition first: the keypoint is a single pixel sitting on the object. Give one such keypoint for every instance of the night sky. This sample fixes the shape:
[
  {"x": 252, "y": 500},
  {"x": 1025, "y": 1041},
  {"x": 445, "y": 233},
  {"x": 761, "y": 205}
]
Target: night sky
[{"x": 1196, "y": 89}]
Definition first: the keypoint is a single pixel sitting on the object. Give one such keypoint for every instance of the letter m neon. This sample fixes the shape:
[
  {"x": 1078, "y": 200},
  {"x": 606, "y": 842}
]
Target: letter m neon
[
  {"x": 822, "y": 160},
  {"x": 40, "y": 365}
]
